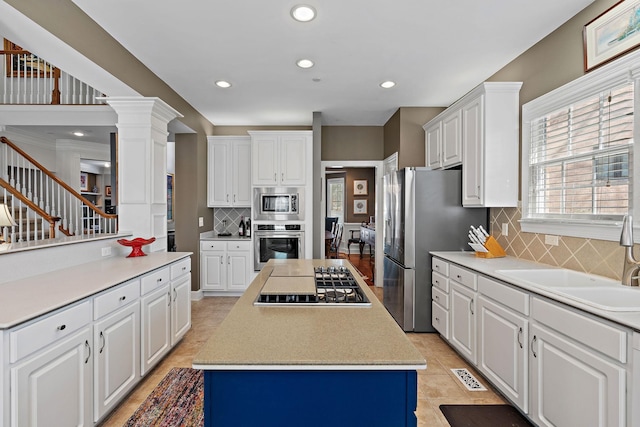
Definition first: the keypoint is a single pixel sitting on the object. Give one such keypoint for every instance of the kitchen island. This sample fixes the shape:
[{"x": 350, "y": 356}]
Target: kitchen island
[{"x": 309, "y": 365}]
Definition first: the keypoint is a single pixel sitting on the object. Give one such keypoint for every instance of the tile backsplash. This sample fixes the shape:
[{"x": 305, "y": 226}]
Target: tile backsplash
[
  {"x": 601, "y": 257},
  {"x": 232, "y": 216}
]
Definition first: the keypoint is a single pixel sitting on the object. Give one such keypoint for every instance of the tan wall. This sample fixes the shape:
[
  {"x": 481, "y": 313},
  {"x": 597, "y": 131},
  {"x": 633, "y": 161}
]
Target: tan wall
[
  {"x": 352, "y": 143},
  {"x": 392, "y": 136},
  {"x": 412, "y": 146},
  {"x": 554, "y": 61},
  {"x": 352, "y": 174}
]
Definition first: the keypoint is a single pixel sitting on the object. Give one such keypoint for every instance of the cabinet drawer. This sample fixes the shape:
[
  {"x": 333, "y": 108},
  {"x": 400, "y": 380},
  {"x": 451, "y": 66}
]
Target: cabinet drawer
[
  {"x": 155, "y": 279},
  {"x": 213, "y": 245},
  {"x": 439, "y": 281},
  {"x": 239, "y": 246},
  {"x": 504, "y": 294},
  {"x": 440, "y": 266},
  {"x": 180, "y": 268},
  {"x": 440, "y": 297},
  {"x": 464, "y": 277},
  {"x": 112, "y": 300},
  {"x": 603, "y": 337},
  {"x": 440, "y": 319},
  {"x": 49, "y": 329}
]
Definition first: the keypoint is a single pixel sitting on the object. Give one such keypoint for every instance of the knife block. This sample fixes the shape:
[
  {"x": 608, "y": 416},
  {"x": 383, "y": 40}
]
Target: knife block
[{"x": 494, "y": 248}]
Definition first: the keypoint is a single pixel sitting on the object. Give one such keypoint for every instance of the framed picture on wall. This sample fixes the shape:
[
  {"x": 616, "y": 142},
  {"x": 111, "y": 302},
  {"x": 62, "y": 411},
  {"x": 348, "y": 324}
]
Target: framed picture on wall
[
  {"x": 107, "y": 190},
  {"x": 360, "y": 207},
  {"x": 360, "y": 187},
  {"x": 612, "y": 34},
  {"x": 84, "y": 181}
]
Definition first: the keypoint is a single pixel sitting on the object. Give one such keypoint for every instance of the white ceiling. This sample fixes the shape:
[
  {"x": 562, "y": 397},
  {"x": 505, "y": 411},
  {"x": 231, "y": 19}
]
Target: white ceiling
[{"x": 436, "y": 51}]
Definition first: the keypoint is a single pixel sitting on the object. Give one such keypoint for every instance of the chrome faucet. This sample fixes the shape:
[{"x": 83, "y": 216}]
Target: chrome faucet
[{"x": 631, "y": 265}]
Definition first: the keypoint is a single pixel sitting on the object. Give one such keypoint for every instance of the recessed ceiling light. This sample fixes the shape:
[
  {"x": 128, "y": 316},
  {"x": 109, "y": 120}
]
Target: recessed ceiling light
[
  {"x": 223, "y": 84},
  {"x": 388, "y": 84},
  {"x": 78, "y": 133},
  {"x": 303, "y": 13},
  {"x": 305, "y": 63}
]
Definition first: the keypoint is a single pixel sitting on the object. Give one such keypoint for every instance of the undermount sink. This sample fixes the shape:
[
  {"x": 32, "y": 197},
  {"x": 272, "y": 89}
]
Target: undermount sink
[
  {"x": 558, "y": 278},
  {"x": 596, "y": 291},
  {"x": 620, "y": 298}
]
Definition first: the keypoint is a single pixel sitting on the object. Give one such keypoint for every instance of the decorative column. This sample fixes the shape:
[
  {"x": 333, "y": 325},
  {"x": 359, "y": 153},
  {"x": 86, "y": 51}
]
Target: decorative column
[{"x": 142, "y": 167}]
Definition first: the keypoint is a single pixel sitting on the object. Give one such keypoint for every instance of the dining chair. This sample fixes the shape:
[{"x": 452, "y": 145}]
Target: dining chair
[{"x": 334, "y": 248}]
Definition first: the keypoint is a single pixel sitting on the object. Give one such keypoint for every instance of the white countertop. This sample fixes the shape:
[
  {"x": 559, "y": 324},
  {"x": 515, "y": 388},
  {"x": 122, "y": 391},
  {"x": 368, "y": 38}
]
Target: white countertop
[
  {"x": 308, "y": 338},
  {"x": 213, "y": 235},
  {"x": 489, "y": 267},
  {"x": 25, "y": 299}
]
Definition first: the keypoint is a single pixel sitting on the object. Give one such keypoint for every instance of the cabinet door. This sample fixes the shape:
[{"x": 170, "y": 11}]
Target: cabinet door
[
  {"x": 241, "y": 174},
  {"x": 293, "y": 159},
  {"x": 180, "y": 308},
  {"x": 38, "y": 397},
  {"x": 219, "y": 174},
  {"x": 571, "y": 386},
  {"x": 502, "y": 350},
  {"x": 238, "y": 267},
  {"x": 116, "y": 341},
  {"x": 463, "y": 320},
  {"x": 433, "y": 142},
  {"x": 214, "y": 270},
  {"x": 473, "y": 152},
  {"x": 264, "y": 160},
  {"x": 451, "y": 140},
  {"x": 155, "y": 324}
]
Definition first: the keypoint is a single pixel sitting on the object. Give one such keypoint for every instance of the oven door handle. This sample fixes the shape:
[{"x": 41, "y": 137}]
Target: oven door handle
[{"x": 276, "y": 236}]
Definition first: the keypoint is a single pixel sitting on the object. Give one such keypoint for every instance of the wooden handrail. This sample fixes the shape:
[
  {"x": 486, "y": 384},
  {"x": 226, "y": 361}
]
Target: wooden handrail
[
  {"x": 50, "y": 219},
  {"x": 63, "y": 184}
]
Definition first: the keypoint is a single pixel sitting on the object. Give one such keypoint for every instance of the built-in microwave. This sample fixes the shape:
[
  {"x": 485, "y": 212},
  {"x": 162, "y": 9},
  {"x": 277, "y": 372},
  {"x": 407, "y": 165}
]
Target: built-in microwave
[{"x": 278, "y": 203}]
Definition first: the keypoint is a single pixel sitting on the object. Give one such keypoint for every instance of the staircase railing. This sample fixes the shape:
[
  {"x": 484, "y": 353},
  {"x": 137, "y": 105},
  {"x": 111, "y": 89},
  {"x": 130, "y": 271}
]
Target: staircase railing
[
  {"x": 28, "y": 79},
  {"x": 51, "y": 195}
]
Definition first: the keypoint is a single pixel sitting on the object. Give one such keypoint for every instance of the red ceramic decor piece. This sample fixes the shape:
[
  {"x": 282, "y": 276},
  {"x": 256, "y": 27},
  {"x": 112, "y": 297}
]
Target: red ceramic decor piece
[{"x": 136, "y": 245}]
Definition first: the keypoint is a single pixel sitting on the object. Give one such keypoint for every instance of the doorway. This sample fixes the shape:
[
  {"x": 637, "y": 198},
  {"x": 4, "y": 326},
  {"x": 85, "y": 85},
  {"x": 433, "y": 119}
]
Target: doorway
[{"x": 354, "y": 202}]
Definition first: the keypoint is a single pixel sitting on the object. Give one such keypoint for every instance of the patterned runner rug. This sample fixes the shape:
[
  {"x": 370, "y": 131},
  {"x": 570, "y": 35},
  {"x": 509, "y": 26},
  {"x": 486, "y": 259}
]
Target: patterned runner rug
[{"x": 176, "y": 401}]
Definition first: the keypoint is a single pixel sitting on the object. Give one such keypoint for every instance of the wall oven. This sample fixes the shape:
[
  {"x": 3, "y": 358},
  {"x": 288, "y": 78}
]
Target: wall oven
[
  {"x": 278, "y": 203},
  {"x": 279, "y": 241}
]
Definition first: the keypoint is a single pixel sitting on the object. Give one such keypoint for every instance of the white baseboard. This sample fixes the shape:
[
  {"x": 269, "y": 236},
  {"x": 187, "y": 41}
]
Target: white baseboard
[{"x": 197, "y": 295}]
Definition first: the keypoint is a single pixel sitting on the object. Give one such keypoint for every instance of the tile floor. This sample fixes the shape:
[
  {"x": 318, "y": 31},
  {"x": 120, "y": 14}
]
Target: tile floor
[{"x": 436, "y": 385}]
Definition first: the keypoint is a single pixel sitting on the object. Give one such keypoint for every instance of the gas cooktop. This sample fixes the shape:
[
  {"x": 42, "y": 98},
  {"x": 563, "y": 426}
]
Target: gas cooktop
[{"x": 329, "y": 286}]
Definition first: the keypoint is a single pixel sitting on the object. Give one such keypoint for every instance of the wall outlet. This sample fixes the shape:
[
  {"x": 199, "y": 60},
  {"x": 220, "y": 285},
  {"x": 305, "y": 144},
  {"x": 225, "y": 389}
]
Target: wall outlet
[
  {"x": 505, "y": 229},
  {"x": 200, "y": 221},
  {"x": 550, "y": 239},
  {"x": 106, "y": 251}
]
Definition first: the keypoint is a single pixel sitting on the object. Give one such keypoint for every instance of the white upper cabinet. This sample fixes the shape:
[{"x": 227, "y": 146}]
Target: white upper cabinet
[
  {"x": 228, "y": 171},
  {"x": 280, "y": 158},
  {"x": 480, "y": 131},
  {"x": 490, "y": 145}
]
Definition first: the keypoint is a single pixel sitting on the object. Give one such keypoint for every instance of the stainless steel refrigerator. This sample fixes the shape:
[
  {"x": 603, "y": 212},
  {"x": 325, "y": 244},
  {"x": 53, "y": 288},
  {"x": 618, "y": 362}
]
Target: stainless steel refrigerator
[{"x": 422, "y": 212}]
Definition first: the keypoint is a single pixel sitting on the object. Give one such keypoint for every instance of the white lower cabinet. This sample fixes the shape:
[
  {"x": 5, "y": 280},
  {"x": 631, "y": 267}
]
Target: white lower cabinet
[
  {"x": 561, "y": 366},
  {"x": 577, "y": 375},
  {"x": 502, "y": 349},
  {"x": 155, "y": 326},
  {"x": 71, "y": 367},
  {"x": 54, "y": 387},
  {"x": 225, "y": 266},
  {"x": 463, "y": 320}
]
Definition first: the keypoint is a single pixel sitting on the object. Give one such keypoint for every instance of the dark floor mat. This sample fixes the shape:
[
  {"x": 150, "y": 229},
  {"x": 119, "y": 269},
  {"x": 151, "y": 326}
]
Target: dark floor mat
[{"x": 484, "y": 416}]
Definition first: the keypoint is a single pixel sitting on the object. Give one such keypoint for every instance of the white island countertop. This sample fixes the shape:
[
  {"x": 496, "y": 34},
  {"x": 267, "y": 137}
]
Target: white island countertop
[
  {"x": 310, "y": 337},
  {"x": 28, "y": 298},
  {"x": 493, "y": 266}
]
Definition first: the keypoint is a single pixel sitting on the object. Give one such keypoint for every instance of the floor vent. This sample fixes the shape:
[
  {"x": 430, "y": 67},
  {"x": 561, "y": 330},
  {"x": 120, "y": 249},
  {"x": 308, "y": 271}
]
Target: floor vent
[{"x": 469, "y": 381}]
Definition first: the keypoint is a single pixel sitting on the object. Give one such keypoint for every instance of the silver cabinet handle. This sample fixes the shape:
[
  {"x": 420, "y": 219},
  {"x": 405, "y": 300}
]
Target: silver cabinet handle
[
  {"x": 437, "y": 297},
  {"x": 169, "y": 295},
  {"x": 438, "y": 319},
  {"x": 533, "y": 346},
  {"x": 282, "y": 176},
  {"x": 61, "y": 327},
  {"x": 104, "y": 342},
  {"x": 275, "y": 176},
  {"x": 159, "y": 280},
  {"x": 229, "y": 259},
  {"x": 234, "y": 198},
  {"x": 519, "y": 337},
  {"x": 471, "y": 306},
  {"x": 122, "y": 298},
  {"x": 175, "y": 295},
  {"x": 227, "y": 198},
  {"x": 86, "y": 345}
]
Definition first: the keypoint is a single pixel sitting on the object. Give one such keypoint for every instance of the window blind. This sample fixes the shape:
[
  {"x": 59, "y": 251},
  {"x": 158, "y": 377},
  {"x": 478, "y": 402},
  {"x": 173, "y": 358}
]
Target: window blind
[{"x": 579, "y": 159}]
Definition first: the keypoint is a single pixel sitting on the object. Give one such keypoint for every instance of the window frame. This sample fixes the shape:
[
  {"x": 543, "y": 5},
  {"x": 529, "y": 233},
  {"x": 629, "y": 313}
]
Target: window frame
[{"x": 614, "y": 74}]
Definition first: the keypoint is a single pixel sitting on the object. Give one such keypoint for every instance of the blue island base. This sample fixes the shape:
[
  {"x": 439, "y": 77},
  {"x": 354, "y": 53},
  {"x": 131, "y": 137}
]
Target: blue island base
[{"x": 310, "y": 398}]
